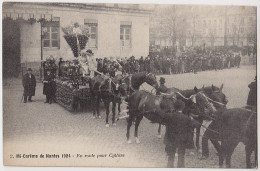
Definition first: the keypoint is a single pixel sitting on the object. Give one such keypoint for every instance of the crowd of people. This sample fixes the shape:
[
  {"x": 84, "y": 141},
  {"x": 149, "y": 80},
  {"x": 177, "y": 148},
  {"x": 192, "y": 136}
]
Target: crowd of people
[{"x": 185, "y": 63}]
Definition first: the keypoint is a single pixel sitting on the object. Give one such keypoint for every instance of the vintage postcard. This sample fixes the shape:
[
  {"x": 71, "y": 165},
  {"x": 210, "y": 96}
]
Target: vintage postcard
[{"x": 129, "y": 85}]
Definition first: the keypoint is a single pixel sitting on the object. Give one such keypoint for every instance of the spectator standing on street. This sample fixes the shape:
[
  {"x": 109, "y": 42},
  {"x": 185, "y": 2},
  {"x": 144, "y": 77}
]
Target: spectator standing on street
[
  {"x": 29, "y": 84},
  {"x": 49, "y": 87},
  {"x": 252, "y": 96},
  {"x": 178, "y": 135}
]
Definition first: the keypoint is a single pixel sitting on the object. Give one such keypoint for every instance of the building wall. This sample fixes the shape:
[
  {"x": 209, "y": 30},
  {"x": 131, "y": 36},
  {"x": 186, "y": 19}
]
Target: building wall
[
  {"x": 108, "y": 35},
  {"x": 243, "y": 21}
]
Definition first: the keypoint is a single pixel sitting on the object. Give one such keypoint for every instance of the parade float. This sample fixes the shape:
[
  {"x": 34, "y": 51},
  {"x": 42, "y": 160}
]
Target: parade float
[{"x": 72, "y": 85}]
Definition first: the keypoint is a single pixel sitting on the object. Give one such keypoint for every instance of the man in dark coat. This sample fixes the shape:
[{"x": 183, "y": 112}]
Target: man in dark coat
[
  {"x": 162, "y": 88},
  {"x": 49, "y": 87},
  {"x": 29, "y": 84},
  {"x": 177, "y": 135},
  {"x": 252, "y": 96},
  {"x": 60, "y": 70}
]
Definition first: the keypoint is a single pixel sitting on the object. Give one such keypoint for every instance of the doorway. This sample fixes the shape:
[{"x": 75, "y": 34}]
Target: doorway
[{"x": 11, "y": 48}]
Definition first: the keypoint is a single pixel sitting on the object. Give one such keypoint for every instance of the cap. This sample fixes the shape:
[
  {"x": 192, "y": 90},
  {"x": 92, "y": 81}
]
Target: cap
[{"x": 162, "y": 80}]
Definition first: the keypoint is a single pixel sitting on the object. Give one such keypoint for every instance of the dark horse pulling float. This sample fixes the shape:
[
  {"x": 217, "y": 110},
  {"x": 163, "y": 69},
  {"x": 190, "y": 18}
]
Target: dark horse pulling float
[
  {"x": 230, "y": 127},
  {"x": 112, "y": 89},
  {"x": 143, "y": 103}
]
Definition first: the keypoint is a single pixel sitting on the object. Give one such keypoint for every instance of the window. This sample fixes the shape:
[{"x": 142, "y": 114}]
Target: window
[
  {"x": 125, "y": 34},
  {"x": 51, "y": 33},
  {"x": 242, "y": 20},
  {"x": 93, "y": 28}
]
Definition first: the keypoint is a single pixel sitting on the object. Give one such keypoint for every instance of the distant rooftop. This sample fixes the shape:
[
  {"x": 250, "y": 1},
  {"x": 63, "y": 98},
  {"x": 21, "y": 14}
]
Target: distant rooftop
[{"x": 143, "y": 8}]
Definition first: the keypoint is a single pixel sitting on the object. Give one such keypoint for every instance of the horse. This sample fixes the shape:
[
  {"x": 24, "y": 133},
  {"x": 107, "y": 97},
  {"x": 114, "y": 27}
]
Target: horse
[
  {"x": 143, "y": 103},
  {"x": 132, "y": 82},
  {"x": 231, "y": 127},
  {"x": 107, "y": 89},
  {"x": 213, "y": 93},
  {"x": 218, "y": 99}
]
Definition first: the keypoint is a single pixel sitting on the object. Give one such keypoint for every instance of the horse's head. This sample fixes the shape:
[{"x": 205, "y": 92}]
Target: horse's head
[
  {"x": 202, "y": 105},
  {"x": 120, "y": 87},
  {"x": 151, "y": 80},
  {"x": 123, "y": 89},
  {"x": 216, "y": 95}
]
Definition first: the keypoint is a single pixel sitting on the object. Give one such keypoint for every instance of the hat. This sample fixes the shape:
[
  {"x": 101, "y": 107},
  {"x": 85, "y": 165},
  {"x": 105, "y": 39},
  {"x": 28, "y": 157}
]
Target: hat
[
  {"x": 90, "y": 51},
  {"x": 162, "y": 80},
  {"x": 179, "y": 105},
  {"x": 29, "y": 69}
]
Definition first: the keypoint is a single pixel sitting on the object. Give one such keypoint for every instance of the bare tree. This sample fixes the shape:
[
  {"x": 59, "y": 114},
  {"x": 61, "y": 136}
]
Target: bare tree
[
  {"x": 212, "y": 36},
  {"x": 236, "y": 32}
]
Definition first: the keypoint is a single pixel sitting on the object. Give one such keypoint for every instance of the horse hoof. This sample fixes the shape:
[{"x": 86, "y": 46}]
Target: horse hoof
[
  {"x": 107, "y": 125},
  {"x": 114, "y": 124},
  {"x": 137, "y": 141},
  {"x": 129, "y": 142},
  {"x": 99, "y": 117},
  {"x": 94, "y": 117},
  {"x": 159, "y": 136}
]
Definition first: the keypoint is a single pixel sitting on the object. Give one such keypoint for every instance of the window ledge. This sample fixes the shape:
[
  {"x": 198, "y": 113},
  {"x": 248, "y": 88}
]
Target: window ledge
[{"x": 51, "y": 48}]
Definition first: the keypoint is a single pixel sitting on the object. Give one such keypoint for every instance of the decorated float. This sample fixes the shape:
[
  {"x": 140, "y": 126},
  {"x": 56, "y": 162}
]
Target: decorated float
[{"x": 72, "y": 84}]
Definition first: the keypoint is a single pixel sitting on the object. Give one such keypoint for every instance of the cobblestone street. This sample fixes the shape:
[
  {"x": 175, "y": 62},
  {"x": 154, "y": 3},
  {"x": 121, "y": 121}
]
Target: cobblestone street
[{"x": 39, "y": 128}]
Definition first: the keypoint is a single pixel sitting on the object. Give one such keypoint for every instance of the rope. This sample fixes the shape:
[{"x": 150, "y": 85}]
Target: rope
[
  {"x": 227, "y": 105},
  {"x": 105, "y": 76},
  {"x": 186, "y": 97}
]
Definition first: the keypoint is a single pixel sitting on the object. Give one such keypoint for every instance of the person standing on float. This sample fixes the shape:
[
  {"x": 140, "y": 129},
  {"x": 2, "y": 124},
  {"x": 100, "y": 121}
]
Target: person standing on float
[{"x": 92, "y": 63}]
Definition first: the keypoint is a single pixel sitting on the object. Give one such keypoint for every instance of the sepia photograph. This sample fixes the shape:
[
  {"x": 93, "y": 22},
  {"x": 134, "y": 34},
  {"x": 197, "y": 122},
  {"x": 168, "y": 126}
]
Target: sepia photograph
[{"x": 129, "y": 85}]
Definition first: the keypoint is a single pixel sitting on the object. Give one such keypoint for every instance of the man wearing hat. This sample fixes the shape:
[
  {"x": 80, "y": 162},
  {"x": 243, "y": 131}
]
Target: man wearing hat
[
  {"x": 178, "y": 135},
  {"x": 162, "y": 88},
  {"x": 92, "y": 63},
  {"x": 49, "y": 87},
  {"x": 29, "y": 84}
]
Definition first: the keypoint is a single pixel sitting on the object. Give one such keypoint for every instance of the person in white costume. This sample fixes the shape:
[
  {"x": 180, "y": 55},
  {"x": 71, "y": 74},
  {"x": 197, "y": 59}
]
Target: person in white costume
[
  {"x": 92, "y": 63},
  {"x": 83, "y": 63}
]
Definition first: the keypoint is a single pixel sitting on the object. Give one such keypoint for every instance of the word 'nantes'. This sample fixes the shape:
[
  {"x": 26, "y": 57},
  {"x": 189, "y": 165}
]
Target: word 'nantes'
[{"x": 37, "y": 156}]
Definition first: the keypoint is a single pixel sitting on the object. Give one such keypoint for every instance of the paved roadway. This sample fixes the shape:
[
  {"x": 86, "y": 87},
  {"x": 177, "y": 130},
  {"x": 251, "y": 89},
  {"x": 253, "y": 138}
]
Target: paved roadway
[{"x": 38, "y": 128}]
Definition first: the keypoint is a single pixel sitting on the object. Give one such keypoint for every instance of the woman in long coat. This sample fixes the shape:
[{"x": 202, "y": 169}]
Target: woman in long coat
[{"x": 252, "y": 96}]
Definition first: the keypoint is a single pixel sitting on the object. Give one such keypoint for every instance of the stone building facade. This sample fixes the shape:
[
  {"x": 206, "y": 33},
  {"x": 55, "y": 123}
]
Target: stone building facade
[{"x": 116, "y": 30}]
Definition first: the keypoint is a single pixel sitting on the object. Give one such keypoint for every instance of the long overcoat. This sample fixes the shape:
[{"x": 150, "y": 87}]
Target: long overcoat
[
  {"x": 29, "y": 84},
  {"x": 252, "y": 96},
  {"x": 178, "y": 131},
  {"x": 49, "y": 88}
]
